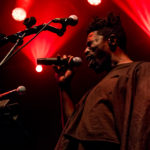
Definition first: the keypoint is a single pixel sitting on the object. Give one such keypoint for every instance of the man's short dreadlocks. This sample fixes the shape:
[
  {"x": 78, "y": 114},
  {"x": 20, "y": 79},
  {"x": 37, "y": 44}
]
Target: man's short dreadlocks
[{"x": 106, "y": 27}]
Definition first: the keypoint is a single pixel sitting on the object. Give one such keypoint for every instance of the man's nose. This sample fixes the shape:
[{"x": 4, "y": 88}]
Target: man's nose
[{"x": 86, "y": 51}]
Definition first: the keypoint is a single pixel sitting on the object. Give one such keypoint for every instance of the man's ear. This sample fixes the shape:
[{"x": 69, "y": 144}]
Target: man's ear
[{"x": 112, "y": 41}]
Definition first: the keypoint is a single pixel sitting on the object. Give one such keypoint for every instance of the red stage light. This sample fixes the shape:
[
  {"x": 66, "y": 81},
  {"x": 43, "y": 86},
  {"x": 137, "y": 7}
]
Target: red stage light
[
  {"x": 138, "y": 11},
  {"x": 19, "y": 14},
  {"x": 94, "y": 2},
  {"x": 39, "y": 68}
]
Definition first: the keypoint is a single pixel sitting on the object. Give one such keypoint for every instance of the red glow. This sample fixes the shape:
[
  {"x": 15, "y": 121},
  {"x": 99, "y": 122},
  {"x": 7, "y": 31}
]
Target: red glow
[
  {"x": 19, "y": 14},
  {"x": 26, "y": 4},
  {"x": 39, "y": 68},
  {"x": 94, "y": 2},
  {"x": 138, "y": 10},
  {"x": 40, "y": 47}
]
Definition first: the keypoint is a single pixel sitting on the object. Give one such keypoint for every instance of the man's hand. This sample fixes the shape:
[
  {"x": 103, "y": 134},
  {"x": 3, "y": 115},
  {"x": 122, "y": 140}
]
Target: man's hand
[{"x": 64, "y": 73}]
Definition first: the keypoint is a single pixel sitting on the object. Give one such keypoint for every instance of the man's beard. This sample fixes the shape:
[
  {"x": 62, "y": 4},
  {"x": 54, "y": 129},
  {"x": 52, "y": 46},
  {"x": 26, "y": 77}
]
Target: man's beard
[{"x": 101, "y": 63}]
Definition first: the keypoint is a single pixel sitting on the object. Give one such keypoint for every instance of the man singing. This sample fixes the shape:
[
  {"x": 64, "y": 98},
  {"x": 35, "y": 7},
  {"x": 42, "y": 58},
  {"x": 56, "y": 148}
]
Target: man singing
[{"x": 114, "y": 115}]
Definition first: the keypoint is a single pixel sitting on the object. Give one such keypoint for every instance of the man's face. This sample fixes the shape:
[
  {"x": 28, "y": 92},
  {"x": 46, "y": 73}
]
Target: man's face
[{"x": 97, "y": 52}]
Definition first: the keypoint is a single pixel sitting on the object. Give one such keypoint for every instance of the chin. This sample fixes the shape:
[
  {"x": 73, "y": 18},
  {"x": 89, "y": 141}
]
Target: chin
[
  {"x": 99, "y": 70},
  {"x": 103, "y": 67}
]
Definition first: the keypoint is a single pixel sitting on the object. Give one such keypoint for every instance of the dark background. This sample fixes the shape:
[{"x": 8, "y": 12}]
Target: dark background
[{"x": 39, "y": 123}]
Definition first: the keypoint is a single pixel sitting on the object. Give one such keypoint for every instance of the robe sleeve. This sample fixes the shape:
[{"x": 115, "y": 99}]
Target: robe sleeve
[
  {"x": 132, "y": 108},
  {"x": 139, "y": 129}
]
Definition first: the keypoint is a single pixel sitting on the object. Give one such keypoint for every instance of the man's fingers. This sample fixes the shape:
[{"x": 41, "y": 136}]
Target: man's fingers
[{"x": 56, "y": 68}]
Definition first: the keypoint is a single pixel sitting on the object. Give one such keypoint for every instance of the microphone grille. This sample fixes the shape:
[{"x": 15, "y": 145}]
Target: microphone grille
[
  {"x": 21, "y": 89},
  {"x": 74, "y": 17},
  {"x": 77, "y": 61},
  {"x": 74, "y": 20}
]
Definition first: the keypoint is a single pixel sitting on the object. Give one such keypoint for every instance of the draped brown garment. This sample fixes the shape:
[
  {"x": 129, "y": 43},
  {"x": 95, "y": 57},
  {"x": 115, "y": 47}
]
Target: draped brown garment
[{"x": 116, "y": 110}]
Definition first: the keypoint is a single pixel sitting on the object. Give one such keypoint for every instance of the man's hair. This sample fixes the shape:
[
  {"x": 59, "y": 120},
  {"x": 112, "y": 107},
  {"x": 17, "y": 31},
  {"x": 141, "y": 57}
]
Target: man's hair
[{"x": 109, "y": 26}]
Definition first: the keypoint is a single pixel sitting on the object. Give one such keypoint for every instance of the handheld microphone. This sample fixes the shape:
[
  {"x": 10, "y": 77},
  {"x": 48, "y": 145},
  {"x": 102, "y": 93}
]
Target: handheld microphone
[
  {"x": 75, "y": 61},
  {"x": 71, "y": 20},
  {"x": 20, "y": 90}
]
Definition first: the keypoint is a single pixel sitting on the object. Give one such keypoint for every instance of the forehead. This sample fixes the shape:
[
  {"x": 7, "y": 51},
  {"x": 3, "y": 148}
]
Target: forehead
[{"x": 93, "y": 35}]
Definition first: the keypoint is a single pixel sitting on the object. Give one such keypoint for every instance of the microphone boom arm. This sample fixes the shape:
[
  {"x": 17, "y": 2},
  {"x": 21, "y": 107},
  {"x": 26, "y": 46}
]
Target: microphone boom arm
[
  {"x": 14, "y": 37},
  {"x": 22, "y": 34}
]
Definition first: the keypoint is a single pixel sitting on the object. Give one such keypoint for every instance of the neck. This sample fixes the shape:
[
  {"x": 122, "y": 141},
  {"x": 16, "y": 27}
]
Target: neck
[{"x": 119, "y": 57}]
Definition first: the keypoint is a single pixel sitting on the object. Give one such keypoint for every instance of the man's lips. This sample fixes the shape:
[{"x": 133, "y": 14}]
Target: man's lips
[
  {"x": 91, "y": 60},
  {"x": 89, "y": 57}
]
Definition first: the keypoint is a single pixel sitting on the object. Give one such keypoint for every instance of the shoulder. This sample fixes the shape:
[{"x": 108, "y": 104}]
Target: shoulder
[
  {"x": 142, "y": 65},
  {"x": 142, "y": 69}
]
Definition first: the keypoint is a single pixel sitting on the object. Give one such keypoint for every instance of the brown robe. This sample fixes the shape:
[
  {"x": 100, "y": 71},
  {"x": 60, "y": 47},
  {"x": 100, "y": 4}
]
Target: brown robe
[{"x": 114, "y": 114}]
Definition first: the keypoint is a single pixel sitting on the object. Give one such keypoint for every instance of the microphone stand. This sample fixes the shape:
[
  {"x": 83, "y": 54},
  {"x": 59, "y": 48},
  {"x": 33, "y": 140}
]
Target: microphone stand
[
  {"x": 46, "y": 26},
  {"x": 11, "y": 53},
  {"x": 5, "y": 59}
]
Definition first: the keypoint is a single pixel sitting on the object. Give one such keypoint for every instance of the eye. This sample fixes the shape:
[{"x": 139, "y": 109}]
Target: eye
[
  {"x": 89, "y": 43},
  {"x": 96, "y": 40}
]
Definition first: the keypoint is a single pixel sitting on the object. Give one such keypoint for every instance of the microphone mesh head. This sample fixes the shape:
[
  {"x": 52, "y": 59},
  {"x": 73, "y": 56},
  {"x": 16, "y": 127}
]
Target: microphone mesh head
[
  {"x": 73, "y": 20},
  {"x": 77, "y": 61},
  {"x": 21, "y": 89},
  {"x": 74, "y": 17}
]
